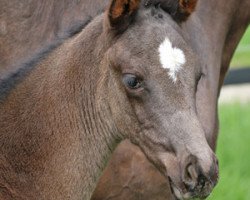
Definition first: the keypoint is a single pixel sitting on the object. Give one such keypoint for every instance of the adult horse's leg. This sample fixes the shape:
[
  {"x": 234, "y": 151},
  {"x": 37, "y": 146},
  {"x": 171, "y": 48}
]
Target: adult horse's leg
[{"x": 215, "y": 36}]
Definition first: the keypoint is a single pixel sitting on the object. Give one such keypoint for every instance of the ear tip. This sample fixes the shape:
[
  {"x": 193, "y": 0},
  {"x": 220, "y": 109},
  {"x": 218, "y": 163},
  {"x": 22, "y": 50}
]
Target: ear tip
[
  {"x": 123, "y": 7},
  {"x": 180, "y": 10},
  {"x": 188, "y": 4},
  {"x": 121, "y": 13},
  {"x": 185, "y": 9}
]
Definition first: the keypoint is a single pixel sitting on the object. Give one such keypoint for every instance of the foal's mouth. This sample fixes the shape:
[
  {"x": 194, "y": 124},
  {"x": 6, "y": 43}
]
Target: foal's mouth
[
  {"x": 199, "y": 192},
  {"x": 177, "y": 193}
]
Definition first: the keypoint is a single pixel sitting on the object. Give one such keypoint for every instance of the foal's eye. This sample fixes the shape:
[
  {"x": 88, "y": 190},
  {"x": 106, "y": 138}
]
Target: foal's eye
[{"x": 131, "y": 81}]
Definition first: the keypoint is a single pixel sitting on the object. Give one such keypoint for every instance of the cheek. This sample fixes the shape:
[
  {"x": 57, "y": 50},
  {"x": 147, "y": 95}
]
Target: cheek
[
  {"x": 140, "y": 112},
  {"x": 146, "y": 114},
  {"x": 128, "y": 115}
]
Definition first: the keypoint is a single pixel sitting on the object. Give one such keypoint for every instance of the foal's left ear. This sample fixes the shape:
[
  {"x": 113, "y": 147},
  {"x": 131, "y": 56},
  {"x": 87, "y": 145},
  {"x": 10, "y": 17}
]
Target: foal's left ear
[
  {"x": 121, "y": 13},
  {"x": 186, "y": 8}
]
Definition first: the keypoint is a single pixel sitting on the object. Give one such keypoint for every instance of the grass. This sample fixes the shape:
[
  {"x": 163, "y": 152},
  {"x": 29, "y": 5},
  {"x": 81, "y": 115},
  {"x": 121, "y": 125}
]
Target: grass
[
  {"x": 234, "y": 153},
  {"x": 242, "y": 54}
]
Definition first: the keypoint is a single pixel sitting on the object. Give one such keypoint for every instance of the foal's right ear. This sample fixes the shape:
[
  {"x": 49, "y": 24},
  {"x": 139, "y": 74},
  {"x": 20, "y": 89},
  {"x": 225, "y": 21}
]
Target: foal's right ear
[
  {"x": 121, "y": 14},
  {"x": 180, "y": 10}
]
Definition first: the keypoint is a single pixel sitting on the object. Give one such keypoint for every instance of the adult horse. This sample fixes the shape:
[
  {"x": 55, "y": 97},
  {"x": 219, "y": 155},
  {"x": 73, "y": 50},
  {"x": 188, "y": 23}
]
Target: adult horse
[{"x": 63, "y": 112}]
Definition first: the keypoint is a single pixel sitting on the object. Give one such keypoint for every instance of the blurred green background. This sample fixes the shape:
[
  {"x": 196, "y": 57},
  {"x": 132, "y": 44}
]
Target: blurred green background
[
  {"x": 233, "y": 147},
  {"x": 242, "y": 55}
]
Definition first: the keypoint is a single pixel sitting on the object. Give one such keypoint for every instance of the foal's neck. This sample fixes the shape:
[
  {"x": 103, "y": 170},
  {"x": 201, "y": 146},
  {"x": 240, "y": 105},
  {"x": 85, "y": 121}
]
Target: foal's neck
[
  {"x": 93, "y": 122},
  {"x": 56, "y": 108}
]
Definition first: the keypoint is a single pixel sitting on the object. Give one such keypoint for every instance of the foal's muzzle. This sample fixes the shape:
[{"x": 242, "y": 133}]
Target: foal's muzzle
[{"x": 196, "y": 182}]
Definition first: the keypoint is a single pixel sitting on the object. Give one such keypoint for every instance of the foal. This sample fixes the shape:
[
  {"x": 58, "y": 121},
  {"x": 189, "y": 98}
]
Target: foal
[{"x": 63, "y": 117}]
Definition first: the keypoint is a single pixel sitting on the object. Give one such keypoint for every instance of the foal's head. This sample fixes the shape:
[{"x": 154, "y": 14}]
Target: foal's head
[{"x": 152, "y": 78}]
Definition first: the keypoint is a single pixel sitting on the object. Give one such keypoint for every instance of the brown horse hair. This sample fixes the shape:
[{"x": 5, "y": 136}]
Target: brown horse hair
[{"x": 8, "y": 83}]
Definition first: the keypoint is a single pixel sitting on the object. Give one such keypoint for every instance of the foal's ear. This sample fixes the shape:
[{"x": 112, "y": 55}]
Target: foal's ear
[
  {"x": 185, "y": 9},
  {"x": 180, "y": 10},
  {"x": 121, "y": 13}
]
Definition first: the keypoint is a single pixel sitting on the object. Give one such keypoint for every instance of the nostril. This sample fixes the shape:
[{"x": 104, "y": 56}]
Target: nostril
[
  {"x": 191, "y": 176},
  {"x": 192, "y": 173},
  {"x": 199, "y": 178}
]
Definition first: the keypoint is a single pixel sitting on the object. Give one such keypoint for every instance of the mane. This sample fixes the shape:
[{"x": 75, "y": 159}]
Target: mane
[{"x": 8, "y": 83}]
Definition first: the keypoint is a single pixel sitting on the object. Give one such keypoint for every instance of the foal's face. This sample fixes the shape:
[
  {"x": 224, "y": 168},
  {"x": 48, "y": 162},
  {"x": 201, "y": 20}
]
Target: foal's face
[{"x": 153, "y": 80}]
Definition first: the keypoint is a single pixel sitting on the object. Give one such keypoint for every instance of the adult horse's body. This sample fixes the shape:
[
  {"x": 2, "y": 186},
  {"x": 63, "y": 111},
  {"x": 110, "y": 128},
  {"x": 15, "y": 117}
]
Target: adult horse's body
[
  {"x": 28, "y": 26},
  {"x": 209, "y": 16}
]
